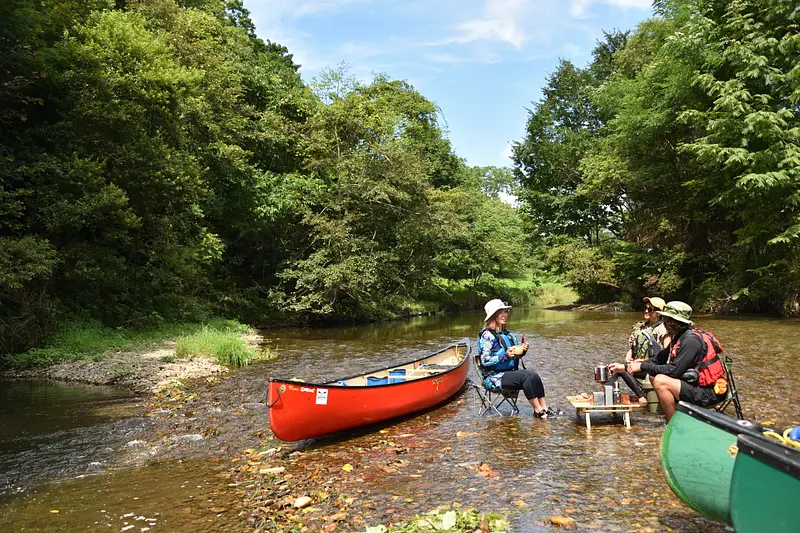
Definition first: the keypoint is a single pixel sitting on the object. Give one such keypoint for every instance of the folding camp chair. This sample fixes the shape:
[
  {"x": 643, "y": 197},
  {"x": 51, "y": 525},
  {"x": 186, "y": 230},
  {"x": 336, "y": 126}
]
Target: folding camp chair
[
  {"x": 493, "y": 398},
  {"x": 732, "y": 396}
]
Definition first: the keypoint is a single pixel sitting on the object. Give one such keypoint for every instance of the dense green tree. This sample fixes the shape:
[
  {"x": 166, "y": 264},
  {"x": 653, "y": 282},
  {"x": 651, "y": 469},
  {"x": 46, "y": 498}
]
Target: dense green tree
[
  {"x": 561, "y": 128},
  {"x": 694, "y": 163}
]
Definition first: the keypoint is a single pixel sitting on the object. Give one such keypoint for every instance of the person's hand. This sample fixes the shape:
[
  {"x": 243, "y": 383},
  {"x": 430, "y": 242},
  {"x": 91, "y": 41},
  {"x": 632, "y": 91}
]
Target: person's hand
[
  {"x": 510, "y": 353},
  {"x": 524, "y": 348},
  {"x": 616, "y": 367}
]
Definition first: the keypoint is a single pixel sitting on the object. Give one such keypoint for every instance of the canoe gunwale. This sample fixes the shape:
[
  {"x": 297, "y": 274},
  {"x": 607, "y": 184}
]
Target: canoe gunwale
[
  {"x": 334, "y": 384},
  {"x": 719, "y": 420},
  {"x": 772, "y": 453}
]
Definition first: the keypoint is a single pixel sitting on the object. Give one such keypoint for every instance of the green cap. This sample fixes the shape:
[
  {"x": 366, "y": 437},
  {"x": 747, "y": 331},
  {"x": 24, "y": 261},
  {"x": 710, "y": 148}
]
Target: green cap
[{"x": 679, "y": 311}]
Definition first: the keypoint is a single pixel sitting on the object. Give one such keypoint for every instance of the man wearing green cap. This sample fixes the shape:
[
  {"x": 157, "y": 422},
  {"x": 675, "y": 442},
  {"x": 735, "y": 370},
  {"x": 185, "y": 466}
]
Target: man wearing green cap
[{"x": 686, "y": 350}]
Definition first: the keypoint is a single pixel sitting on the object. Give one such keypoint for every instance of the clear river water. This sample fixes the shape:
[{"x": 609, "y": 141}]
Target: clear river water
[{"x": 88, "y": 452}]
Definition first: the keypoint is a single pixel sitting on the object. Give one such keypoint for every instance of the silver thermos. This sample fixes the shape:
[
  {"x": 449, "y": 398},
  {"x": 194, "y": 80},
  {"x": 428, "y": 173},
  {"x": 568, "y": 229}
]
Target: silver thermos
[
  {"x": 609, "y": 395},
  {"x": 617, "y": 394}
]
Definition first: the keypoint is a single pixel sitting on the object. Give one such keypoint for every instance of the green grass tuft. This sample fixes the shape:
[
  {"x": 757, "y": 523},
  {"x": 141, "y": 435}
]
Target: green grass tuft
[
  {"x": 554, "y": 293},
  {"x": 223, "y": 345},
  {"x": 93, "y": 342}
]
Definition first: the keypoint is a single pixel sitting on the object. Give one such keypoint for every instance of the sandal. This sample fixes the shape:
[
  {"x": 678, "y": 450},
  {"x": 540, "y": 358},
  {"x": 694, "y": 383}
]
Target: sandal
[
  {"x": 553, "y": 413},
  {"x": 541, "y": 414}
]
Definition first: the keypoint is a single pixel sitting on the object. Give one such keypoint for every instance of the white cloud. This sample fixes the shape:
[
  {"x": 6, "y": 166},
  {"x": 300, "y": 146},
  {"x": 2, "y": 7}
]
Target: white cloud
[
  {"x": 498, "y": 23},
  {"x": 511, "y": 200},
  {"x": 507, "y": 152},
  {"x": 579, "y": 8}
]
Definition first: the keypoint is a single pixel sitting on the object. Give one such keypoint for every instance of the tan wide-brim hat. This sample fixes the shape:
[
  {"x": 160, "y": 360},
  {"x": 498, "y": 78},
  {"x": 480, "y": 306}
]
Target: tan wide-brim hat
[{"x": 656, "y": 302}]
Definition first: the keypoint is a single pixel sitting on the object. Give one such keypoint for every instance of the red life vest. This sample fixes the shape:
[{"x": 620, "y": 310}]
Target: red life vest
[{"x": 710, "y": 368}]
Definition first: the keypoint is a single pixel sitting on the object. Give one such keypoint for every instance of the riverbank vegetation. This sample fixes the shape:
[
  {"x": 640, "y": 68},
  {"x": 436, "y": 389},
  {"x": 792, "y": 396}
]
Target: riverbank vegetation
[
  {"x": 157, "y": 159},
  {"x": 670, "y": 164},
  {"x": 222, "y": 341}
]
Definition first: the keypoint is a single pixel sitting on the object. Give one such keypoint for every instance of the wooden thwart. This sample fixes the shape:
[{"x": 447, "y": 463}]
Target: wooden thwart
[{"x": 585, "y": 408}]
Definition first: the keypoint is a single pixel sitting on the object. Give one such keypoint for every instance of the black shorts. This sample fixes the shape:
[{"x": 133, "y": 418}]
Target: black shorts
[{"x": 702, "y": 396}]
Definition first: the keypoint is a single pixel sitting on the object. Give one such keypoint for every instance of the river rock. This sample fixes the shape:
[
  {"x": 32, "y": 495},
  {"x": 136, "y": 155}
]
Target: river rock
[
  {"x": 193, "y": 437},
  {"x": 302, "y": 501}
]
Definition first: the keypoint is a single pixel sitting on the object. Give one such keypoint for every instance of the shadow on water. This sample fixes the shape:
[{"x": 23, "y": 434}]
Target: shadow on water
[{"x": 607, "y": 479}]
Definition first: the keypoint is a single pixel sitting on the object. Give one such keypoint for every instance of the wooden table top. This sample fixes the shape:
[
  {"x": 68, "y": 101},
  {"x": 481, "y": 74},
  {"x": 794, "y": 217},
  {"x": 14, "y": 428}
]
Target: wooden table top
[{"x": 580, "y": 403}]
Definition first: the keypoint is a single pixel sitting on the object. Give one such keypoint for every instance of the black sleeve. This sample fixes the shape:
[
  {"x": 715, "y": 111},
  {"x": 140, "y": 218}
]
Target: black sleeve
[
  {"x": 689, "y": 351},
  {"x": 662, "y": 357}
]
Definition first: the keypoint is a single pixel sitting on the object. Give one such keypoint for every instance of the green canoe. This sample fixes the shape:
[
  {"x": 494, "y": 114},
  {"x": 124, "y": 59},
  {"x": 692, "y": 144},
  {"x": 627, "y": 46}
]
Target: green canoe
[
  {"x": 698, "y": 450},
  {"x": 765, "y": 488}
]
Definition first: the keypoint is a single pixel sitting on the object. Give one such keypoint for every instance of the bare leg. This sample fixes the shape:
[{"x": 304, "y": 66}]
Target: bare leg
[
  {"x": 668, "y": 391},
  {"x": 539, "y": 404}
]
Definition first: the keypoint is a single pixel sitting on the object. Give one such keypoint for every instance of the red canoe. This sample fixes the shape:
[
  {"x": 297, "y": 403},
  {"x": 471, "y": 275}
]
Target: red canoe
[{"x": 299, "y": 410}]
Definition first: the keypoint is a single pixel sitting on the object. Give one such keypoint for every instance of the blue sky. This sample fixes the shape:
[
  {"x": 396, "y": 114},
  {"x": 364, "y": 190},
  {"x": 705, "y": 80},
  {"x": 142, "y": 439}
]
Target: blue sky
[{"x": 482, "y": 61}]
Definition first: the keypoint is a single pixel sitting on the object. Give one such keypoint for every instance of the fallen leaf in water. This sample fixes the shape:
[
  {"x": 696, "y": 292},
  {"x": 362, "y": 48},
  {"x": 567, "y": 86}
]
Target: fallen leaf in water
[
  {"x": 54, "y": 511},
  {"x": 274, "y": 470},
  {"x": 519, "y": 503},
  {"x": 485, "y": 470},
  {"x": 562, "y": 521},
  {"x": 347, "y": 467},
  {"x": 218, "y": 509}
]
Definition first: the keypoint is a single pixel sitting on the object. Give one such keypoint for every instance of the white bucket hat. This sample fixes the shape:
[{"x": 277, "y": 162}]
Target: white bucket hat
[{"x": 493, "y": 306}]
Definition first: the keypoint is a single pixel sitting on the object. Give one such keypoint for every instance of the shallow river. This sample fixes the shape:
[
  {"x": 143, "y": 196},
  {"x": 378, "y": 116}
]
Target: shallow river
[{"x": 608, "y": 479}]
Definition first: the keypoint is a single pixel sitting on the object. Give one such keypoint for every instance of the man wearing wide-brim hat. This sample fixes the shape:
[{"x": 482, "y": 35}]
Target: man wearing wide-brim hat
[{"x": 686, "y": 351}]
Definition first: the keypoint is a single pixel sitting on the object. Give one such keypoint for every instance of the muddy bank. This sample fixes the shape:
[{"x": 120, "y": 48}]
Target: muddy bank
[{"x": 612, "y": 307}]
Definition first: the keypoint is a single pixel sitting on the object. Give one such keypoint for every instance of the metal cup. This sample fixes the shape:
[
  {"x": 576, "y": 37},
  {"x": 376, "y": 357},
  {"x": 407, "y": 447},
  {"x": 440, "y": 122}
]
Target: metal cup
[{"x": 601, "y": 373}]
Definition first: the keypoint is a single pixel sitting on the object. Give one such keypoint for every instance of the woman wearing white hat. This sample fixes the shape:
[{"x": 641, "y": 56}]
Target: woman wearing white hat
[{"x": 500, "y": 352}]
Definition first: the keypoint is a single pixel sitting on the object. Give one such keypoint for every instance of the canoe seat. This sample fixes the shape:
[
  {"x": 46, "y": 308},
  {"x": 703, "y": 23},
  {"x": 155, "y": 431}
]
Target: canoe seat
[
  {"x": 492, "y": 398},
  {"x": 732, "y": 396}
]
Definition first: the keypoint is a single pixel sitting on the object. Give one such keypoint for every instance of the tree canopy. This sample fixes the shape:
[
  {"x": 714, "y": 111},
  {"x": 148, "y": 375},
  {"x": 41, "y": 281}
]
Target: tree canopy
[
  {"x": 674, "y": 155},
  {"x": 158, "y": 160}
]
